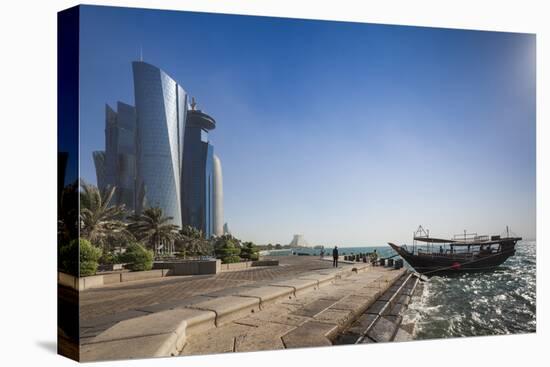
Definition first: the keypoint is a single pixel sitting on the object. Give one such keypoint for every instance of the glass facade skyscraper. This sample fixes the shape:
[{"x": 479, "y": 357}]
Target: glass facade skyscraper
[
  {"x": 161, "y": 106},
  {"x": 116, "y": 165},
  {"x": 158, "y": 154},
  {"x": 198, "y": 157}
]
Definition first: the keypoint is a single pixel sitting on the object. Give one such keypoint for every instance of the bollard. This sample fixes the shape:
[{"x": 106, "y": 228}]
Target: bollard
[{"x": 390, "y": 263}]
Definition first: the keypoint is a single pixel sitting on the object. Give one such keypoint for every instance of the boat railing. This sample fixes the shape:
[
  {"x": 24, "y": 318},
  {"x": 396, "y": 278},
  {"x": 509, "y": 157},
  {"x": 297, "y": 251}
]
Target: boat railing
[
  {"x": 470, "y": 237},
  {"x": 448, "y": 253}
]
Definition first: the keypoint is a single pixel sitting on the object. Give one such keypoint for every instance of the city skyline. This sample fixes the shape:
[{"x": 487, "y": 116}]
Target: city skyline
[
  {"x": 157, "y": 154},
  {"x": 350, "y": 134}
]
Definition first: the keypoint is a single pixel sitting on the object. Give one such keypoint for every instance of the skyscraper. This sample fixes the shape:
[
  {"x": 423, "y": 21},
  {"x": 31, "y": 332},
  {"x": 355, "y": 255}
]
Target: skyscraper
[
  {"x": 218, "y": 197},
  {"x": 116, "y": 165},
  {"x": 198, "y": 200},
  {"x": 161, "y": 106},
  {"x": 158, "y": 154}
]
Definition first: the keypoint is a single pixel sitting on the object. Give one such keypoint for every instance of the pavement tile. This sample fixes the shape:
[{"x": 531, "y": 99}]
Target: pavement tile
[
  {"x": 310, "y": 334},
  {"x": 219, "y": 340},
  {"x": 266, "y": 338},
  {"x": 337, "y": 317},
  {"x": 314, "y": 308},
  {"x": 355, "y": 304},
  {"x": 275, "y": 316}
]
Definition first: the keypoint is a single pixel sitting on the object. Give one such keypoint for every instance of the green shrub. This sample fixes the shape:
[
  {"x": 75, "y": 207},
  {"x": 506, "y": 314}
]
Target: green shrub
[
  {"x": 250, "y": 251},
  {"x": 109, "y": 258},
  {"x": 137, "y": 257},
  {"x": 106, "y": 258},
  {"x": 228, "y": 253},
  {"x": 231, "y": 259},
  {"x": 83, "y": 265},
  {"x": 227, "y": 249}
]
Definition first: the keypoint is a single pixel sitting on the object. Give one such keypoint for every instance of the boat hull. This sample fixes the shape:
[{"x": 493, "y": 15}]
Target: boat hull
[{"x": 436, "y": 264}]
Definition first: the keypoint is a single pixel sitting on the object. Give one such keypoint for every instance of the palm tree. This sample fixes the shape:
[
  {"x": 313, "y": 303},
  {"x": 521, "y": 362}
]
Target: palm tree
[
  {"x": 99, "y": 219},
  {"x": 193, "y": 242},
  {"x": 152, "y": 227}
]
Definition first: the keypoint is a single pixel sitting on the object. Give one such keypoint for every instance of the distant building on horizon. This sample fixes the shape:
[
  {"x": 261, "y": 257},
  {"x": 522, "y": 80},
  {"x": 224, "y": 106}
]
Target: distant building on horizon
[
  {"x": 298, "y": 241},
  {"x": 226, "y": 229},
  {"x": 158, "y": 154}
]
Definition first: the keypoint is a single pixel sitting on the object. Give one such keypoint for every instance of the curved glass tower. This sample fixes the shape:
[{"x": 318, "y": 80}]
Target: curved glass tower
[
  {"x": 217, "y": 205},
  {"x": 161, "y": 110},
  {"x": 198, "y": 185}
]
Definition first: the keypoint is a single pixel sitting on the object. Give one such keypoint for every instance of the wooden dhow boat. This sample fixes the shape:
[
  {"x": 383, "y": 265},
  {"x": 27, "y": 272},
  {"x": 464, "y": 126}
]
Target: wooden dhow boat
[{"x": 463, "y": 253}]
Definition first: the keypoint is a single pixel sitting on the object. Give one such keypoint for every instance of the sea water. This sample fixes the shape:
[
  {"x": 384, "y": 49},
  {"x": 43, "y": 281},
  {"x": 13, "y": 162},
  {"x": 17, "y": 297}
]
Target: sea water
[{"x": 502, "y": 301}]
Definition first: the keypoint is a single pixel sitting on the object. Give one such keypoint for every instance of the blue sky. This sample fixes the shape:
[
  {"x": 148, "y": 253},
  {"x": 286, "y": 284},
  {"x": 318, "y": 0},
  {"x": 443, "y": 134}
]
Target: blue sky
[{"x": 348, "y": 133}]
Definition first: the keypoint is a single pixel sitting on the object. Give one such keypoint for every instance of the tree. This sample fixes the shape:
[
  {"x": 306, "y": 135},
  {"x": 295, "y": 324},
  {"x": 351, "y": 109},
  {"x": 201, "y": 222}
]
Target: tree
[
  {"x": 278, "y": 246},
  {"x": 249, "y": 251},
  {"x": 153, "y": 228},
  {"x": 227, "y": 248},
  {"x": 99, "y": 219},
  {"x": 191, "y": 241}
]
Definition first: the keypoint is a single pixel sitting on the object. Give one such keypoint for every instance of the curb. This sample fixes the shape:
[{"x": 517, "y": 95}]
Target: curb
[{"x": 167, "y": 331}]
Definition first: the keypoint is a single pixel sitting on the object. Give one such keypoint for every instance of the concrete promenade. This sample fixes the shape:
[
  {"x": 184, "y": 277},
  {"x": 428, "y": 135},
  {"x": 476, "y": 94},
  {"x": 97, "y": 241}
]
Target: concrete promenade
[
  {"x": 103, "y": 307},
  {"x": 310, "y": 320},
  {"x": 304, "y": 302}
]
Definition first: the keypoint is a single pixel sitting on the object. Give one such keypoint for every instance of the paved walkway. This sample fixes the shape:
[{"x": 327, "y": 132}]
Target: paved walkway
[
  {"x": 103, "y": 307},
  {"x": 309, "y": 320},
  {"x": 300, "y": 308}
]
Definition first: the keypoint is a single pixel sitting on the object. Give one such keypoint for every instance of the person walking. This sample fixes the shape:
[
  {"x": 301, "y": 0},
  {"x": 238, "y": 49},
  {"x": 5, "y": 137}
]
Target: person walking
[{"x": 335, "y": 257}]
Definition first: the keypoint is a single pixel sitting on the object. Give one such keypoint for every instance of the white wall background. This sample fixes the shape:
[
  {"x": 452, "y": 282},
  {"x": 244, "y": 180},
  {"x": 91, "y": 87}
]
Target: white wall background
[{"x": 28, "y": 179}]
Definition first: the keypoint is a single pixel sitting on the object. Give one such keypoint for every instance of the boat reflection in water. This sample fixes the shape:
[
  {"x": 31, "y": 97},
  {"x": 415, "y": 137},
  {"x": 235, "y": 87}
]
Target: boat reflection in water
[{"x": 465, "y": 252}]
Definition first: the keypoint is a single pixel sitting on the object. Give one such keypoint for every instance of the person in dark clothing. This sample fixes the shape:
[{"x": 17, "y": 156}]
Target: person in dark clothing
[{"x": 335, "y": 257}]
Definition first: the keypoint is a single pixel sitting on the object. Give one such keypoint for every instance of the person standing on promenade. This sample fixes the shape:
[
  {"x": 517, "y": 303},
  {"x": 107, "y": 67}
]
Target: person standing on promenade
[{"x": 335, "y": 257}]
